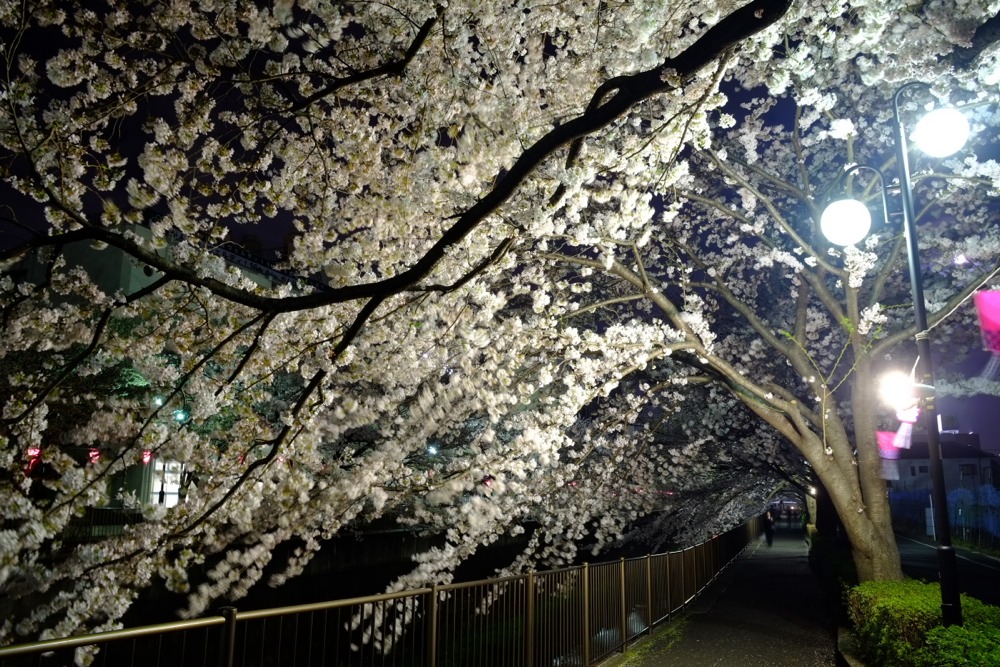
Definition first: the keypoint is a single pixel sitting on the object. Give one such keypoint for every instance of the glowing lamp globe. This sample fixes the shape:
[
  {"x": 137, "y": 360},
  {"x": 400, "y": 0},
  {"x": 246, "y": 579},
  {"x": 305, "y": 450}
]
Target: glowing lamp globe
[
  {"x": 845, "y": 222},
  {"x": 897, "y": 390},
  {"x": 942, "y": 132}
]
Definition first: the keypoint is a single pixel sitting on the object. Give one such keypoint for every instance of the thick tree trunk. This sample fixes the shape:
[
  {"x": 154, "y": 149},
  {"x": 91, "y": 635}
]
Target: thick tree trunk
[
  {"x": 854, "y": 488},
  {"x": 850, "y": 473},
  {"x": 872, "y": 540},
  {"x": 873, "y": 546},
  {"x": 867, "y": 526}
]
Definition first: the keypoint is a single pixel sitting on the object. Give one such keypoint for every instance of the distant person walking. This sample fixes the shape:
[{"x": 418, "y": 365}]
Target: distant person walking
[{"x": 769, "y": 528}]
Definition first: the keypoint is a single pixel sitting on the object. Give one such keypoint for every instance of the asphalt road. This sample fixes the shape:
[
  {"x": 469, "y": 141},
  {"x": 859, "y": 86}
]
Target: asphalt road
[{"x": 978, "y": 575}]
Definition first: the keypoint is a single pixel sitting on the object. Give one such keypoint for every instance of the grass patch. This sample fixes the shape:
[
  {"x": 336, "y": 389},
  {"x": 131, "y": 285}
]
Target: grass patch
[{"x": 661, "y": 639}]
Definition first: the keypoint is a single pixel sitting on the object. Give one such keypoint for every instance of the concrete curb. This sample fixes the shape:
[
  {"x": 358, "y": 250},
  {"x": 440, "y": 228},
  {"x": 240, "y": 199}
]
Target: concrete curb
[{"x": 845, "y": 649}]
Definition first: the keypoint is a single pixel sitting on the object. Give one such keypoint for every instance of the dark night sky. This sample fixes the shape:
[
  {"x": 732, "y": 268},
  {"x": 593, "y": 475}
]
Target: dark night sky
[{"x": 978, "y": 414}]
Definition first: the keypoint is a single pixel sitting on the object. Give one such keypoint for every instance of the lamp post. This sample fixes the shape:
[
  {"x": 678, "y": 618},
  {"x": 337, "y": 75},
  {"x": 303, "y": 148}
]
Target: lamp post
[
  {"x": 951, "y": 606},
  {"x": 951, "y": 610}
]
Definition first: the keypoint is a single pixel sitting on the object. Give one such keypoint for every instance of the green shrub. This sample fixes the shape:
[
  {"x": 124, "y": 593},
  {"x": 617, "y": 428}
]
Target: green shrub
[
  {"x": 891, "y": 619},
  {"x": 976, "y": 613},
  {"x": 898, "y": 624},
  {"x": 960, "y": 646}
]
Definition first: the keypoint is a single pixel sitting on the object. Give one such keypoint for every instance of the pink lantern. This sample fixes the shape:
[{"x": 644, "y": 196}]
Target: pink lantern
[
  {"x": 988, "y": 310},
  {"x": 34, "y": 459},
  {"x": 904, "y": 435},
  {"x": 889, "y": 454},
  {"x": 890, "y": 443}
]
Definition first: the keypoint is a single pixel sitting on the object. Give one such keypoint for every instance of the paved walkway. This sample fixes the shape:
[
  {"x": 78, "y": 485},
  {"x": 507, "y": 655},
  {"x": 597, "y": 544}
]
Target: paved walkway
[{"x": 765, "y": 609}]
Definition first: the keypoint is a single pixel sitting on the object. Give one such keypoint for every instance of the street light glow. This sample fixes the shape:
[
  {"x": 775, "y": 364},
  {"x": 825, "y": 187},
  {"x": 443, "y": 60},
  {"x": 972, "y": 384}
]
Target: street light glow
[
  {"x": 942, "y": 132},
  {"x": 845, "y": 222},
  {"x": 896, "y": 389}
]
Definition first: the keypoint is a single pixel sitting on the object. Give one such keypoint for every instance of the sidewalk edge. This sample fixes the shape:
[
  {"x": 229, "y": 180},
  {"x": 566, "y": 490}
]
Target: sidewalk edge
[{"x": 845, "y": 649}]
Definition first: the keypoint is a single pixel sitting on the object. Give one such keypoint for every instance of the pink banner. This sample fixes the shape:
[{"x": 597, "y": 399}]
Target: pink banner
[{"x": 988, "y": 309}]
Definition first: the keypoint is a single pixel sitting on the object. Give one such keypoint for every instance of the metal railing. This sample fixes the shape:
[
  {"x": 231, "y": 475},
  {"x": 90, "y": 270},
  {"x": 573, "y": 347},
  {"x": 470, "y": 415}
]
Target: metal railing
[
  {"x": 573, "y": 617},
  {"x": 100, "y": 522}
]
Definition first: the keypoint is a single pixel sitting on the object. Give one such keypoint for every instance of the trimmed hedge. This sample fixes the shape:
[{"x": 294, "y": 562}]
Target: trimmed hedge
[
  {"x": 961, "y": 646},
  {"x": 898, "y": 624}
]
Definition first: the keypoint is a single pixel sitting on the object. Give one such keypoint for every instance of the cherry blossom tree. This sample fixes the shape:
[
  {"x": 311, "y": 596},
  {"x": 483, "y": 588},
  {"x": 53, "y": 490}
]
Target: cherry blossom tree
[
  {"x": 730, "y": 257},
  {"x": 517, "y": 286}
]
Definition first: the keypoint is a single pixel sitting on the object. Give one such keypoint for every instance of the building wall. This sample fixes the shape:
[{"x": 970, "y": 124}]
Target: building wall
[{"x": 958, "y": 473}]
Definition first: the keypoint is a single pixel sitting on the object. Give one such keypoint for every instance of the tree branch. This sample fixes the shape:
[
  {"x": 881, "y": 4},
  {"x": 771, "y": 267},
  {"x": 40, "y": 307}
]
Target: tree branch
[
  {"x": 275, "y": 443},
  {"x": 986, "y": 35},
  {"x": 86, "y": 352},
  {"x": 391, "y": 68},
  {"x": 617, "y": 96}
]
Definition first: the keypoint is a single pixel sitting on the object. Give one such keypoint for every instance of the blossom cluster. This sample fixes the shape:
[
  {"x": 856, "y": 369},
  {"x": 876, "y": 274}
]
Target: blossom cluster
[{"x": 505, "y": 302}]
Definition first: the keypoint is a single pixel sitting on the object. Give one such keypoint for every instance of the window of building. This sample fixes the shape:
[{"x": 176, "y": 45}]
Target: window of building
[
  {"x": 167, "y": 482},
  {"x": 967, "y": 469}
]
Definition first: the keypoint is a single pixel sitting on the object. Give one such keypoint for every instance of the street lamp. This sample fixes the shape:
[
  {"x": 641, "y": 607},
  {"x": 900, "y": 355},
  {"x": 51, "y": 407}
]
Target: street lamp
[{"x": 937, "y": 141}]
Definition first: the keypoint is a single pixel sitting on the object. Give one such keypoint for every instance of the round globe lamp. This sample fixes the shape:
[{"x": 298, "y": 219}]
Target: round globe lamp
[
  {"x": 896, "y": 389},
  {"x": 942, "y": 132},
  {"x": 845, "y": 222}
]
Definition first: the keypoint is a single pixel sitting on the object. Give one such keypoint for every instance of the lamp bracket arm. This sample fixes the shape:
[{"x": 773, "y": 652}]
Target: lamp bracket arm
[{"x": 883, "y": 183}]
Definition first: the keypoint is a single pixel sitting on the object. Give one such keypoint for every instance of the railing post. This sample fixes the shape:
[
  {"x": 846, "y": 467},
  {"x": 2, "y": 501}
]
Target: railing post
[
  {"x": 715, "y": 556},
  {"x": 704, "y": 565},
  {"x": 711, "y": 559},
  {"x": 529, "y": 659},
  {"x": 227, "y": 646},
  {"x": 432, "y": 614},
  {"x": 666, "y": 574},
  {"x": 684, "y": 591},
  {"x": 649, "y": 594},
  {"x": 623, "y": 607},
  {"x": 586, "y": 614}
]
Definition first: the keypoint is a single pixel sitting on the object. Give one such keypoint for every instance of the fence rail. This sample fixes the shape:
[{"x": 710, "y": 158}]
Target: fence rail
[{"x": 572, "y": 617}]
